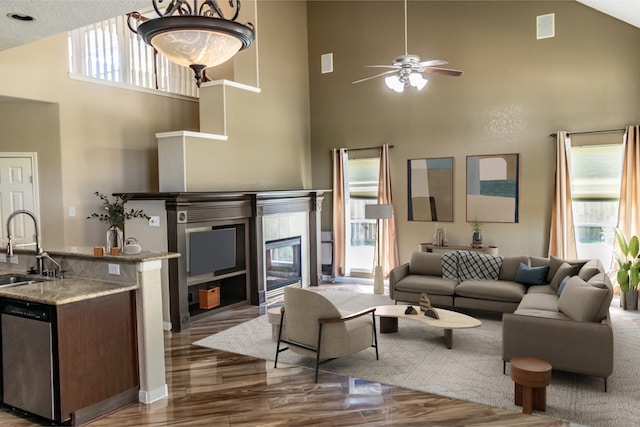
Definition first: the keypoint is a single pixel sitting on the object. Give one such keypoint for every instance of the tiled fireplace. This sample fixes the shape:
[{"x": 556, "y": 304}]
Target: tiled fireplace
[{"x": 286, "y": 252}]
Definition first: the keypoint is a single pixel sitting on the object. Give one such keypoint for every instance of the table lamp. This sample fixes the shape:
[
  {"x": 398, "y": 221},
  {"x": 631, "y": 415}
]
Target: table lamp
[{"x": 378, "y": 212}]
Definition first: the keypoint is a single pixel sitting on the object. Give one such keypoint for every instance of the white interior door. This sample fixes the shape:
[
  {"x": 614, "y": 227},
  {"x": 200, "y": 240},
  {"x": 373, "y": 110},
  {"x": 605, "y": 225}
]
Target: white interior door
[{"x": 17, "y": 191}]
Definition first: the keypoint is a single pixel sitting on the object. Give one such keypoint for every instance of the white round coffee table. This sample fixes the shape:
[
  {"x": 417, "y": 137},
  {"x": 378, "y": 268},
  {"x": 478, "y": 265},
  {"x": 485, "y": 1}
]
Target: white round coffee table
[{"x": 448, "y": 321}]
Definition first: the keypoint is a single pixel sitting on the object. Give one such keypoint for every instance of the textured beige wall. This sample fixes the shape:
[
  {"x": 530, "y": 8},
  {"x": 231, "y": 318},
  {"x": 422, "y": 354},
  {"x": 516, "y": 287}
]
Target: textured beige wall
[
  {"x": 515, "y": 91},
  {"x": 34, "y": 127},
  {"x": 106, "y": 135}
]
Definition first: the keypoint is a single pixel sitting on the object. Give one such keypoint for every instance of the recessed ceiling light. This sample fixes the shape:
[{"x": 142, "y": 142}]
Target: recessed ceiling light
[{"x": 21, "y": 17}]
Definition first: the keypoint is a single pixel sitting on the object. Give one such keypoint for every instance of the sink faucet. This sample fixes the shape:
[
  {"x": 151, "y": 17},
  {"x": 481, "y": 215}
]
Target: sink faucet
[{"x": 41, "y": 255}]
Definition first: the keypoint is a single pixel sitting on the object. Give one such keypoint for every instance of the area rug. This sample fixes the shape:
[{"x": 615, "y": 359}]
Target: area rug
[{"x": 416, "y": 358}]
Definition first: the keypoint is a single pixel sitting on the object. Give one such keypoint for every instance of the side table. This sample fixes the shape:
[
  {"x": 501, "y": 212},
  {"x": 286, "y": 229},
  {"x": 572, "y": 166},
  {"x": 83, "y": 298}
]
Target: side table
[{"x": 531, "y": 377}]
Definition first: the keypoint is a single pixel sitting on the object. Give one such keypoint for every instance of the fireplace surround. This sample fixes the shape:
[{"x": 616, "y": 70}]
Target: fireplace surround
[{"x": 252, "y": 215}]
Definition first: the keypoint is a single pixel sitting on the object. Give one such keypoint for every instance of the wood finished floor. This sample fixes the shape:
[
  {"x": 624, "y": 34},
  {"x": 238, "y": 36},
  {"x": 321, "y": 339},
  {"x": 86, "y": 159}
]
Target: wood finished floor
[{"x": 216, "y": 388}]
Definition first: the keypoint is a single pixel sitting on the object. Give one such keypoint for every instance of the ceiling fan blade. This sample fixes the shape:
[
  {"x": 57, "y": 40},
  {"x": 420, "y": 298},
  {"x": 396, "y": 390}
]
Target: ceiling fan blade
[
  {"x": 445, "y": 71},
  {"x": 433, "y": 63},
  {"x": 382, "y": 66},
  {"x": 374, "y": 76}
]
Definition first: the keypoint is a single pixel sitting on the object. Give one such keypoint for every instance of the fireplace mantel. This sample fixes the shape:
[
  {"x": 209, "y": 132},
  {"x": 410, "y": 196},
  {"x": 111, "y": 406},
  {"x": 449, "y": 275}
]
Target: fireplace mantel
[{"x": 246, "y": 210}]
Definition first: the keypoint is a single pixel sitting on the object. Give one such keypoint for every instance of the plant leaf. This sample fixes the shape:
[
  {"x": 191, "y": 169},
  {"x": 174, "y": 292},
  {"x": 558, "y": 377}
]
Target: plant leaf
[
  {"x": 634, "y": 246},
  {"x": 622, "y": 242},
  {"x": 623, "y": 280},
  {"x": 634, "y": 276}
]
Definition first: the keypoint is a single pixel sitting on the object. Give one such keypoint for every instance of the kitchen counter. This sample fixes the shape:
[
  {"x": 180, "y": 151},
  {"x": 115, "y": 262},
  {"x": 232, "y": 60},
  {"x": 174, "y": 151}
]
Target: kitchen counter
[
  {"x": 86, "y": 253},
  {"x": 89, "y": 279},
  {"x": 63, "y": 291}
]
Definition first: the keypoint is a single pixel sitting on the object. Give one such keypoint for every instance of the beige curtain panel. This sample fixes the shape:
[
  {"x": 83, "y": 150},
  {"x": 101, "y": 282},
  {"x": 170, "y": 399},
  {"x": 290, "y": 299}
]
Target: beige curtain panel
[
  {"x": 339, "y": 157},
  {"x": 629, "y": 210},
  {"x": 388, "y": 241},
  {"x": 562, "y": 238}
]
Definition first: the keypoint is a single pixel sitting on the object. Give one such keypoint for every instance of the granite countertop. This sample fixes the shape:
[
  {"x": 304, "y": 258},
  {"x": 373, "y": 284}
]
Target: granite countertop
[
  {"x": 63, "y": 291},
  {"x": 87, "y": 253}
]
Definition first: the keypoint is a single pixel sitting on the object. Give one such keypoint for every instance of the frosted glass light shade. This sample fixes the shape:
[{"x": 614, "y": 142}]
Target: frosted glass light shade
[
  {"x": 197, "y": 42},
  {"x": 393, "y": 82},
  {"x": 416, "y": 80},
  {"x": 189, "y": 47}
]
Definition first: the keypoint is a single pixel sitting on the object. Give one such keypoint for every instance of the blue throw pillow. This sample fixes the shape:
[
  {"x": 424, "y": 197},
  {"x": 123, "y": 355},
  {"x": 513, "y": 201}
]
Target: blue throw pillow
[
  {"x": 532, "y": 275},
  {"x": 563, "y": 283}
]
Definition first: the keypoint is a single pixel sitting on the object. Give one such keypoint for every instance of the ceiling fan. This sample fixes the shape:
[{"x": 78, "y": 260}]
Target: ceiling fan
[{"x": 406, "y": 70}]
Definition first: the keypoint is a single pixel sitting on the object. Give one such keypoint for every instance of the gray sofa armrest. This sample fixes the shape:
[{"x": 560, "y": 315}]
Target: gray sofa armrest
[
  {"x": 568, "y": 345},
  {"x": 396, "y": 275}
]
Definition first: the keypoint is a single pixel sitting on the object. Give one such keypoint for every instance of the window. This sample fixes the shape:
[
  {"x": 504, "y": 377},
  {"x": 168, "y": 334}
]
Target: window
[
  {"x": 596, "y": 172},
  {"x": 362, "y": 185},
  {"x": 111, "y": 52}
]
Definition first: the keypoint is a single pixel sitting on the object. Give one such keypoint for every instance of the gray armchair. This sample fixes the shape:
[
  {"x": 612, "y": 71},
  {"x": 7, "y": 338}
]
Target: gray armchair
[{"x": 316, "y": 328}]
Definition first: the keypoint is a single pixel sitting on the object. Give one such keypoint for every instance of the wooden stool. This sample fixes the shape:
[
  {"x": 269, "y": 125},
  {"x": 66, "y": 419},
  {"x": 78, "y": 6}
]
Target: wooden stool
[{"x": 531, "y": 377}]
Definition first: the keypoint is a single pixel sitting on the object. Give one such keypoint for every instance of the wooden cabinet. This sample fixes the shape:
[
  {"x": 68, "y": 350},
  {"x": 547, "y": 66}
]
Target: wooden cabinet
[
  {"x": 90, "y": 349},
  {"x": 96, "y": 355}
]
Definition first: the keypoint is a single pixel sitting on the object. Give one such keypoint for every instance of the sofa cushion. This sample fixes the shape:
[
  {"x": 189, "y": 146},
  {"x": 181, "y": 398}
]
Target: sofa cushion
[
  {"x": 542, "y": 313},
  {"x": 540, "y": 289},
  {"x": 564, "y": 270},
  {"x": 496, "y": 290},
  {"x": 510, "y": 265},
  {"x": 536, "y": 261},
  {"x": 562, "y": 284},
  {"x": 602, "y": 281},
  {"x": 590, "y": 269},
  {"x": 539, "y": 302},
  {"x": 531, "y": 275},
  {"x": 429, "y": 284},
  {"x": 555, "y": 263},
  {"x": 584, "y": 302},
  {"x": 425, "y": 263}
]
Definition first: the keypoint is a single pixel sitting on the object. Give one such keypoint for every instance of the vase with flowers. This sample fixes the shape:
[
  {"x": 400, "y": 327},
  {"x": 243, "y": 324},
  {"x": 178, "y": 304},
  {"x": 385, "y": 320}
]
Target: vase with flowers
[{"x": 115, "y": 216}]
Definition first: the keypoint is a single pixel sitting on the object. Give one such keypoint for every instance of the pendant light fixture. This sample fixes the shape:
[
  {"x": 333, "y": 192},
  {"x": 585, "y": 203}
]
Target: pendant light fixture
[{"x": 197, "y": 36}]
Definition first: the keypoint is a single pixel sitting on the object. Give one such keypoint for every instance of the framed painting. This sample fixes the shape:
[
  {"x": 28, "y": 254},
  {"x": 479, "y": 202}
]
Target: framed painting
[
  {"x": 492, "y": 188},
  {"x": 430, "y": 184}
]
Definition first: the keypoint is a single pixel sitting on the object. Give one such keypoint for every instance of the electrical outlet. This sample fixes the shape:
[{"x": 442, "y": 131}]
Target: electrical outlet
[
  {"x": 13, "y": 259},
  {"x": 114, "y": 269},
  {"x": 3, "y": 258},
  {"x": 154, "y": 221}
]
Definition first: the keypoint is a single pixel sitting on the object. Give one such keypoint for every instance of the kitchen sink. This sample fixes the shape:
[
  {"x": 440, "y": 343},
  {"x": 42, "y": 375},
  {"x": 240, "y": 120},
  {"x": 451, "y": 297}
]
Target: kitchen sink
[{"x": 7, "y": 280}]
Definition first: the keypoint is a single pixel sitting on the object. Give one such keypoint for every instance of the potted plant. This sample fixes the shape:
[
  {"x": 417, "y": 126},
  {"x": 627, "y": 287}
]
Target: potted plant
[
  {"x": 115, "y": 216},
  {"x": 476, "y": 226},
  {"x": 628, "y": 274}
]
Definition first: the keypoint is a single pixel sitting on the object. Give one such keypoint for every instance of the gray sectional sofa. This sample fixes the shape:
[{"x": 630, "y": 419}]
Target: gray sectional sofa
[{"x": 570, "y": 328}]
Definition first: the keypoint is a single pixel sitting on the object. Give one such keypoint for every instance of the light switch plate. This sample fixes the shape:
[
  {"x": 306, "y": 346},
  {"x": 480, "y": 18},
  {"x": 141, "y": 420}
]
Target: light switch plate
[
  {"x": 114, "y": 269},
  {"x": 154, "y": 221}
]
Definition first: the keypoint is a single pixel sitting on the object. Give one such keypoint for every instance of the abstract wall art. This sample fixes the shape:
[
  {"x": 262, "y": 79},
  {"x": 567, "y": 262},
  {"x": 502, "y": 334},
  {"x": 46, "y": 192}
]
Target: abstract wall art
[
  {"x": 430, "y": 189},
  {"x": 492, "y": 188}
]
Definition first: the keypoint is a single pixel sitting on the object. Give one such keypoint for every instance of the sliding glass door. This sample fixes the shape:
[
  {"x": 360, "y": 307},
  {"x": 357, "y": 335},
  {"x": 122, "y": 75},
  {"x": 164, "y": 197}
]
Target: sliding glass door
[{"x": 362, "y": 189}]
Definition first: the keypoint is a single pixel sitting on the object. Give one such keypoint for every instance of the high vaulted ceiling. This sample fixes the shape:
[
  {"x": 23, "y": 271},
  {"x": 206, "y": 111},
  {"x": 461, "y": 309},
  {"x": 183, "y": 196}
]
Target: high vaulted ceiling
[{"x": 57, "y": 16}]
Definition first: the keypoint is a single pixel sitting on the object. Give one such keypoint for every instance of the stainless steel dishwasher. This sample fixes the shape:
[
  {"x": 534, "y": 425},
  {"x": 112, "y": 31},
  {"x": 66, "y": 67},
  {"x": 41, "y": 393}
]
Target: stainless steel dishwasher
[{"x": 27, "y": 357}]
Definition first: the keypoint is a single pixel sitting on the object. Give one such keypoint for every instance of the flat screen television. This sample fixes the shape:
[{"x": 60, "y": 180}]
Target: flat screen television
[{"x": 212, "y": 250}]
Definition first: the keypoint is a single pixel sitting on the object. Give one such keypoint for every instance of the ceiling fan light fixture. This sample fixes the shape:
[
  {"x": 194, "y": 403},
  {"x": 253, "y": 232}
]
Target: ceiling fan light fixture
[
  {"x": 194, "y": 36},
  {"x": 394, "y": 83},
  {"x": 416, "y": 80}
]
